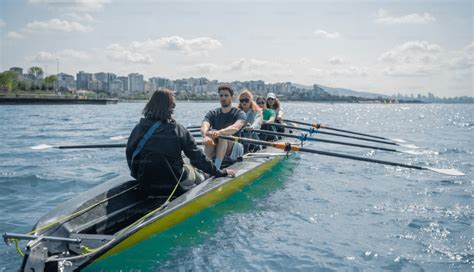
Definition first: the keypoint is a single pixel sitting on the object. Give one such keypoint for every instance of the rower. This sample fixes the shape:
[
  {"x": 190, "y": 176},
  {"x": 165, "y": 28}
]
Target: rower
[
  {"x": 154, "y": 150},
  {"x": 225, "y": 120},
  {"x": 274, "y": 103},
  {"x": 253, "y": 121},
  {"x": 268, "y": 116}
]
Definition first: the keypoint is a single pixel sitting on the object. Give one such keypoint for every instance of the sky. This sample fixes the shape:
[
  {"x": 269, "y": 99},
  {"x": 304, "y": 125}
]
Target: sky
[{"x": 386, "y": 47}]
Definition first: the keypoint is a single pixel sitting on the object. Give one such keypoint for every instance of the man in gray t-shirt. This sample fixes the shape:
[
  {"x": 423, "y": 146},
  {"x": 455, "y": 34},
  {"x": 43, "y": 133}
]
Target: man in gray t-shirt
[{"x": 225, "y": 120}]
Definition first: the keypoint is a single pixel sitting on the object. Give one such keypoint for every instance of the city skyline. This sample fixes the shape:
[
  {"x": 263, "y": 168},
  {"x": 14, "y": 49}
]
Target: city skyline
[{"x": 387, "y": 48}]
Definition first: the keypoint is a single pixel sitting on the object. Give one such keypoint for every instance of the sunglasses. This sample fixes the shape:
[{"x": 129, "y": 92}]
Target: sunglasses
[
  {"x": 270, "y": 99},
  {"x": 244, "y": 100},
  {"x": 224, "y": 95},
  {"x": 261, "y": 102}
]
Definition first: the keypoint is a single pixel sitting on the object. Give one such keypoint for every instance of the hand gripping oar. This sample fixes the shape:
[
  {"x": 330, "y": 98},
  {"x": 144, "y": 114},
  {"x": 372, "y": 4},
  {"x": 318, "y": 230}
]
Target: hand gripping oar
[
  {"x": 305, "y": 137},
  {"x": 313, "y": 130},
  {"x": 319, "y": 125},
  {"x": 292, "y": 147},
  {"x": 45, "y": 146}
]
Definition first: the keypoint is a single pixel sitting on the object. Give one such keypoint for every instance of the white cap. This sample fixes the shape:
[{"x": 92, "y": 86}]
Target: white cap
[{"x": 271, "y": 95}]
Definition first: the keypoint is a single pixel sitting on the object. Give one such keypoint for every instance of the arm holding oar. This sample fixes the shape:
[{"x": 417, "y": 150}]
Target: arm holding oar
[{"x": 292, "y": 147}]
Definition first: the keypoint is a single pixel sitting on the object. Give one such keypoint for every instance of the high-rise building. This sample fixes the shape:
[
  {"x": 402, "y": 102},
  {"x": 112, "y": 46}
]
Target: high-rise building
[
  {"x": 136, "y": 83},
  {"x": 124, "y": 80},
  {"x": 116, "y": 86},
  {"x": 66, "y": 81},
  {"x": 83, "y": 80},
  {"x": 105, "y": 79}
]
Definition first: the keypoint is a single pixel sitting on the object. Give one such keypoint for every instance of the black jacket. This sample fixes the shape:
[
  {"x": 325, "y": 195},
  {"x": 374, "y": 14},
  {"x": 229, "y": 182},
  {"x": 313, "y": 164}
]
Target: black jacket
[{"x": 165, "y": 145}]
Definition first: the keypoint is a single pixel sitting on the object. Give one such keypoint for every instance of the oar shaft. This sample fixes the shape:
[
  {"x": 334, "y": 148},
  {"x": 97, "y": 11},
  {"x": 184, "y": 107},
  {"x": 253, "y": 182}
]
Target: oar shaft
[
  {"x": 305, "y": 138},
  {"x": 99, "y": 146},
  {"x": 91, "y": 146},
  {"x": 316, "y": 125},
  {"x": 335, "y": 134},
  {"x": 291, "y": 147}
]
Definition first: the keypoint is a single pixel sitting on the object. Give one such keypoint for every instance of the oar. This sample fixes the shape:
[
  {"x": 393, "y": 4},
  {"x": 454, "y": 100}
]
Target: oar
[
  {"x": 45, "y": 146},
  {"x": 319, "y": 125},
  {"x": 312, "y": 130},
  {"x": 293, "y": 147},
  {"x": 305, "y": 137},
  {"x": 115, "y": 138}
]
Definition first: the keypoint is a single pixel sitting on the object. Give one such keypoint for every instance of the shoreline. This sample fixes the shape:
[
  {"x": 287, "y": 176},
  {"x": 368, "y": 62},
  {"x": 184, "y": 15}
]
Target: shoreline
[{"x": 53, "y": 100}]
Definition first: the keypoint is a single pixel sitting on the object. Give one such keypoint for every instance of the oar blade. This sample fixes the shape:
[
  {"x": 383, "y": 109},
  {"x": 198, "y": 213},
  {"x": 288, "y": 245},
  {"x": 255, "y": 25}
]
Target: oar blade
[
  {"x": 411, "y": 146},
  {"x": 449, "y": 172},
  {"x": 119, "y": 137},
  {"x": 41, "y": 147},
  {"x": 398, "y": 140}
]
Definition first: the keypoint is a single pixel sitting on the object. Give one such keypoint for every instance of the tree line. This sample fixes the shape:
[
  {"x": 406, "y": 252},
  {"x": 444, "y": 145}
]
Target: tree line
[{"x": 10, "y": 81}]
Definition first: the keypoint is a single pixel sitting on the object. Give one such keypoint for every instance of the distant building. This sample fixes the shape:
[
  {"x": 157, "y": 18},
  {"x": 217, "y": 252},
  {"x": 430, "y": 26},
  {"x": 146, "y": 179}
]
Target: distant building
[
  {"x": 136, "y": 83},
  {"x": 17, "y": 70},
  {"x": 66, "y": 81},
  {"x": 95, "y": 85},
  {"x": 116, "y": 86},
  {"x": 83, "y": 80},
  {"x": 150, "y": 86},
  {"x": 105, "y": 79},
  {"x": 124, "y": 81},
  {"x": 161, "y": 82}
]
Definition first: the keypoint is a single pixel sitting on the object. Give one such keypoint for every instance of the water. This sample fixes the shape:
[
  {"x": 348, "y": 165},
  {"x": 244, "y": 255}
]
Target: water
[{"x": 309, "y": 213}]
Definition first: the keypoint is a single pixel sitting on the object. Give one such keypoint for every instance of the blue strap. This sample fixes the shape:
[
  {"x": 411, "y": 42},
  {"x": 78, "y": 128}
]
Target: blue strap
[{"x": 145, "y": 139}]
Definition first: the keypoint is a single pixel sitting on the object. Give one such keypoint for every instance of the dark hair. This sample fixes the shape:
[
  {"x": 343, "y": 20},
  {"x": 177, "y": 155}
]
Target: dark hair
[
  {"x": 160, "y": 106},
  {"x": 225, "y": 87},
  {"x": 276, "y": 104},
  {"x": 261, "y": 98}
]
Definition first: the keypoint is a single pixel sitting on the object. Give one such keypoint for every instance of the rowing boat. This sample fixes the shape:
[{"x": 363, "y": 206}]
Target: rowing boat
[{"x": 115, "y": 216}]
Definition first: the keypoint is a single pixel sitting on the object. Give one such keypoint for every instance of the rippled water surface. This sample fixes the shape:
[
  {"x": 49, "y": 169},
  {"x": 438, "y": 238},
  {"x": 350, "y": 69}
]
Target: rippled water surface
[{"x": 309, "y": 213}]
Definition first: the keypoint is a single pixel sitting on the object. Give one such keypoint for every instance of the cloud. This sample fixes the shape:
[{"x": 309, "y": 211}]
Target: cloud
[
  {"x": 382, "y": 17},
  {"x": 56, "y": 25},
  {"x": 116, "y": 52},
  {"x": 326, "y": 35},
  {"x": 14, "y": 35},
  {"x": 205, "y": 68},
  {"x": 73, "y": 16},
  {"x": 66, "y": 54},
  {"x": 407, "y": 71},
  {"x": 349, "y": 71},
  {"x": 2, "y": 23},
  {"x": 462, "y": 59},
  {"x": 72, "y": 5},
  {"x": 244, "y": 68},
  {"x": 255, "y": 67},
  {"x": 53, "y": 25},
  {"x": 412, "y": 51},
  {"x": 176, "y": 43},
  {"x": 336, "y": 60}
]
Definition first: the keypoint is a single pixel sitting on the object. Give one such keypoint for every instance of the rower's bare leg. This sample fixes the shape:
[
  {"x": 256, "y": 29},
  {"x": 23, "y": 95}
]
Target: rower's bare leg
[
  {"x": 230, "y": 145},
  {"x": 209, "y": 151},
  {"x": 220, "y": 152}
]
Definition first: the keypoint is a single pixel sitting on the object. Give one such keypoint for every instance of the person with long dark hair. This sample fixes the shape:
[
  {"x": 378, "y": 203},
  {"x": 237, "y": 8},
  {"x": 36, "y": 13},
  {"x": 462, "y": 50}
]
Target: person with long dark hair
[{"x": 154, "y": 150}]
